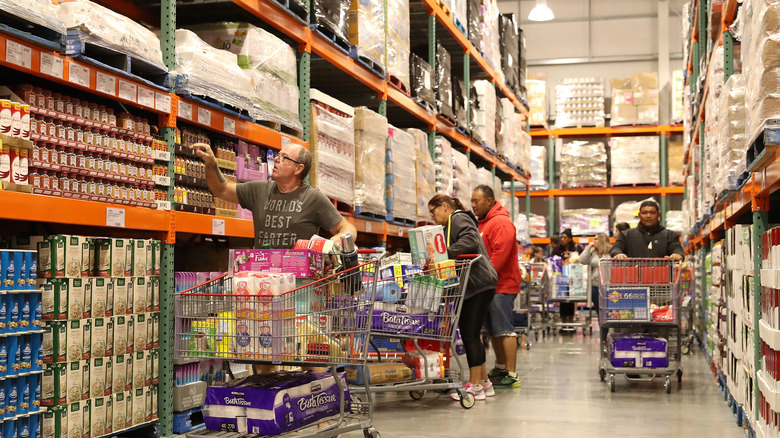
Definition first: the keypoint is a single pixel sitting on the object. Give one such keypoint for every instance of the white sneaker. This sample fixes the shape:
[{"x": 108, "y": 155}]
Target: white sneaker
[
  {"x": 487, "y": 387},
  {"x": 476, "y": 390}
]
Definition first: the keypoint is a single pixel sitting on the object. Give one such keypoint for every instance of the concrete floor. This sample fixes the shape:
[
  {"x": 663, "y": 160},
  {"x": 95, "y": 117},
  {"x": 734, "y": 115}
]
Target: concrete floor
[{"x": 562, "y": 396}]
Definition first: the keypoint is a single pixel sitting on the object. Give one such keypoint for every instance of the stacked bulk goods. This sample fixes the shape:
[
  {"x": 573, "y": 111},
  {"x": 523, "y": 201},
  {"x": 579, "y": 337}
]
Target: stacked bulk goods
[
  {"x": 331, "y": 18},
  {"x": 401, "y": 183},
  {"x": 444, "y": 83},
  {"x": 579, "y": 102},
  {"x": 675, "y": 155},
  {"x": 271, "y": 64},
  {"x": 512, "y": 142},
  {"x": 332, "y": 147},
  {"x": 425, "y": 173},
  {"x": 367, "y": 33},
  {"x": 583, "y": 164},
  {"x": 731, "y": 134},
  {"x": 370, "y": 140},
  {"x": 710, "y": 145},
  {"x": 635, "y": 100},
  {"x": 485, "y": 117},
  {"x": 489, "y": 35},
  {"x": 462, "y": 184},
  {"x": 510, "y": 51},
  {"x": 442, "y": 160},
  {"x": 538, "y": 165},
  {"x": 635, "y": 160},
  {"x": 40, "y": 12},
  {"x": 422, "y": 83},
  {"x": 537, "y": 99},
  {"x": 463, "y": 113},
  {"x": 398, "y": 49}
]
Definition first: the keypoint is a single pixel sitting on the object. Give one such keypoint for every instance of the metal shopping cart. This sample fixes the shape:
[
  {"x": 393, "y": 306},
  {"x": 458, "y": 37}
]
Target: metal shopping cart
[
  {"x": 572, "y": 287},
  {"x": 639, "y": 305},
  {"x": 322, "y": 324},
  {"x": 687, "y": 309},
  {"x": 427, "y": 309}
]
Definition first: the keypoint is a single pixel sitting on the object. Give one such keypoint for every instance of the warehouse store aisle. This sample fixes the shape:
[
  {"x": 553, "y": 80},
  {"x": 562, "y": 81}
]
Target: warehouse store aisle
[{"x": 562, "y": 396}]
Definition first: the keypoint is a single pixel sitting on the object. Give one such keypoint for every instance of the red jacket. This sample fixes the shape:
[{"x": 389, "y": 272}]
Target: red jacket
[{"x": 500, "y": 237}]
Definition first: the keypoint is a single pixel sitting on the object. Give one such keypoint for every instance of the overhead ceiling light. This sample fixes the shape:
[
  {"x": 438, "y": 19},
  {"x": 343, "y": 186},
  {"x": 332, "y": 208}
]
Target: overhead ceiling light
[{"x": 541, "y": 12}]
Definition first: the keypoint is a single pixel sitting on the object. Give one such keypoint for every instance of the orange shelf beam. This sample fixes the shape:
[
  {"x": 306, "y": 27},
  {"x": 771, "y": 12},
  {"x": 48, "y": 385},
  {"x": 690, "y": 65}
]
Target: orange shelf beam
[
  {"x": 272, "y": 14},
  {"x": 607, "y": 191},
  {"x": 411, "y": 107},
  {"x": 609, "y": 131},
  {"x": 130, "y": 10},
  {"x": 336, "y": 57},
  {"x": 203, "y": 224}
]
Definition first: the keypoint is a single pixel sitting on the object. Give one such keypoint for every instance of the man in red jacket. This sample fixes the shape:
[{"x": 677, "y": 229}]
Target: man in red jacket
[{"x": 500, "y": 237}]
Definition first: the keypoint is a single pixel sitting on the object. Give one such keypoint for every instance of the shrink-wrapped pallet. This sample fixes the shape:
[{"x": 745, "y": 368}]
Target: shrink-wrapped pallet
[
  {"x": 370, "y": 144},
  {"x": 537, "y": 100},
  {"x": 367, "y": 30},
  {"x": 583, "y": 164},
  {"x": 401, "y": 173},
  {"x": 585, "y": 221},
  {"x": 442, "y": 160},
  {"x": 104, "y": 27},
  {"x": 537, "y": 226},
  {"x": 398, "y": 45},
  {"x": 212, "y": 72},
  {"x": 485, "y": 114},
  {"x": 41, "y": 12},
  {"x": 761, "y": 65},
  {"x": 510, "y": 50},
  {"x": 538, "y": 167},
  {"x": 579, "y": 102},
  {"x": 635, "y": 160},
  {"x": 333, "y": 148},
  {"x": 484, "y": 177},
  {"x": 332, "y": 17},
  {"x": 422, "y": 84},
  {"x": 731, "y": 134},
  {"x": 674, "y": 160},
  {"x": 462, "y": 184},
  {"x": 425, "y": 177},
  {"x": 444, "y": 82},
  {"x": 459, "y": 103}
]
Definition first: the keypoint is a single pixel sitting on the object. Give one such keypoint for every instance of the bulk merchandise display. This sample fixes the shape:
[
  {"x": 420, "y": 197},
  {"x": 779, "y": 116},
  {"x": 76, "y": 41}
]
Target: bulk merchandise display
[
  {"x": 485, "y": 120},
  {"x": 367, "y": 32},
  {"x": 459, "y": 106},
  {"x": 579, "y": 102},
  {"x": 401, "y": 184},
  {"x": 332, "y": 147},
  {"x": 537, "y": 165},
  {"x": 537, "y": 99},
  {"x": 585, "y": 221},
  {"x": 331, "y": 17},
  {"x": 678, "y": 90},
  {"x": 425, "y": 172},
  {"x": 422, "y": 78},
  {"x": 583, "y": 164},
  {"x": 444, "y": 82},
  {"x": 474, "y": 20},
  {"x": 635, "y": 100},
  {"x": 398, "y": 49},
  {"x": 487, "y": 23},
  {"x": 370, "y": 143},
  {"x": 513, "y": 142},
  {"x": 674, "y": 160},
  {"x": 730, "y": 136},
  {"x": 761, "y": 66},
  {"x": 635, "y": 160},
  {"x": 442, "y": 159},
  {"x": 461, "y": 178},
  {"x": 40, "y": 12},
  {"x": 537, "y": 225},
  {"x": 510, "y": 50}
]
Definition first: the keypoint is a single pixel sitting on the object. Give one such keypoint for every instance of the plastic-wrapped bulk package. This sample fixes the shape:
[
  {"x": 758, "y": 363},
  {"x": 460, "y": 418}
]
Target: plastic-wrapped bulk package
[
  {"x": 537, "y": 225},
  {"x": 367, "y": 30},
  {"x": 332, "y": 17},
  {"x": 462, "y": 184},
  {"x": 40, "y": 12},
  {"x": 524, "y": 147},
  {"x": 398, "y": 49},
  {"x": 761, "y": 64},
  {"x": 460, "y": 10},
  {"x": 422, "y": 82},
  {"x": 731, "y": 133},
  {"x": 212, "y": 72},
  {"x": 332, "y": 147},
  {"x": 484, "y": 177},
  {"x": 459, "y": 103},
  {"x": 370, "y": 141},
  {"x": 442, "y": 160},
  {"x": 425, "y": 173},
  {"x": 444, "y": 82},
  {"x": 537, "y": 100},
  {"x": 678, "y": 84},
  {"x": 104, "y": 27},
  {"x": 485, "y": 120},
  {"x": 635, "y": 160},
  {"x": 474, "y": 12},
  {"x": 623, "y": 108},
  {"x": 510, "y": 50},
  {"x": 579, "y": 102},
  {"x": 401, "y": 182},
  {"x": 645, "y": 89},
  {"x": 585, "y": 221},
  {"x": 675, "y": 155},
  {"x": 274, "y": 100},
  {"x": 538, "y": 167},
  {"x": 627, "y": 212},
  {"x": 505, "y": 135},
  {"x": 583, "y": 164},
  {"x": 490, "y": 40},
  {"x": 674, "y": 220}
]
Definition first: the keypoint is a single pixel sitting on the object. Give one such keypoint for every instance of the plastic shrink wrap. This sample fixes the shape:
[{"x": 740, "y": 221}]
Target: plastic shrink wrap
[
  {"x": 522, "y": 230},
  {"x": 583, "y": 164},
  {"x": 442, "y": 160},
  {"x": 425, "y": 173},
  {"x": 731, "y": 134},
  {"x": 538, "y": 167},
  {"x": 462, "y": 184},
  {"x": 635, "y": 160},
  {"x": 459, "y": 103},
  {"x": 40, "y": 12},
  {"x": 585, "y": 221},
  {"x": 510, "y": 50},
  {"x": 678, "y": 84},
  {"x": 333, "y": 148},
  {"x": 485, "y": 120},
  {"x": 627, "y": 212},
  {"x": 401, "y": 172},
  {"x": 537, "y": 225},
  {"x": 674, "y": 220},
  {"x": 579, "y": 102},
  {"x": 474, "y": 19},
  {"x": 212, "y": 72},
  {"x": 104, "y": 27},
  {"x": 537, "y": 103},
  {"x": 367, "y": 30},
  {"x": 398, "y": 49},
  {"x": 422, "y": 82},
  {"x": 332, "y": 17},
  {"x": 444, "y": 82},
  {"x": 460, "y": 10},
  {"x": 370, "y": 141},
  {"x": 675, "y": 156},
  {"x": 490, "y": 36},
  {"x": 761, "y": 65}
]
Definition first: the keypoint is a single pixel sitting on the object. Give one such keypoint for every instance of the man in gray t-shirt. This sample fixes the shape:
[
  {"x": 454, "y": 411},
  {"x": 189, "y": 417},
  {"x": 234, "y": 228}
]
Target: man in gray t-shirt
[{"x": 285, "y": 209}]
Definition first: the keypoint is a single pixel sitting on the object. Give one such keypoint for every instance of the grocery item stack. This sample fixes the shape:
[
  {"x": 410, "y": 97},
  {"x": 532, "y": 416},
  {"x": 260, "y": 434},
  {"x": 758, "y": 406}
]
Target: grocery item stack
[
  {"x": 579, "y": 102},
  {"x": 485, "y": 120},
  {"x": 425, "y": 173},
  {"x": 398, "y": 49},
  {"x": 442, "y": 160},
  {"x": 401, "y": 183},
  {"x": 635, "y": 160},
  {"x": 583, "y": 164},
  {"x": 635, "y": 100},
  {"x": 731, "y": 134},
  {"x": 367, "y": 32},
  {"x": 674, "y": 160},
  {"x": 370, "y": 140},
  {"x": 332, "y": 147}
]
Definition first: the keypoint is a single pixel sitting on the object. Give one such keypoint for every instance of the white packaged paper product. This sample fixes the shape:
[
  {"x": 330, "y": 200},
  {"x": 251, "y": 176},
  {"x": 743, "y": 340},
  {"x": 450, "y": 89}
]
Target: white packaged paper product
[
  {"x": 583, "y": 164},
  {"x": 367, "y": 30},
  {"x": 635, "y": 160},
  {"x": 425, "y": 177},
  {"x": 731, "y": 133},
  {"x": 212, "y": 72},
  {"x": 442, "y": 161},
  {"x": 104, "y": 27},
  {"x": 538, "y": 167},
  {"x": 485, "y": 115},
  {"x": 674, "y": 220},
  {"x": 370, "y": 140},
  {"x": 761, "y": 65},
  {"x": 460, "y": 9},
  {"x": 333, "y": 149},
  {"x": 537, "y": 100},
  {"x": 627, "y": 212},
  {"x": 402, "y": 191},
  {"x": 537, "y": 226},
  {"x": 273, "y": 100},
  {"x": 41, "y": 12},
  {"x": 579, "y": 102},
  {"x": 483, "y": 177},
  {"x": 585, "y": 221},
  {"x": 463, "y": 186},
  {"x": 398, "y": 45}
]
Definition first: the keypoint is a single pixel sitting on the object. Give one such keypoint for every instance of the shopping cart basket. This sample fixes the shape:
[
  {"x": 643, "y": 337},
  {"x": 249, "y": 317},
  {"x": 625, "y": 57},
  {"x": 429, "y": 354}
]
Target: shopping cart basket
[
  {"x": 640, "y": 297},
  {"x": 688, "y": 308},
  {"x": 427, "y": 309},
  {"x": 320, "y": 324},
  {"x": 573, "y": 287}
]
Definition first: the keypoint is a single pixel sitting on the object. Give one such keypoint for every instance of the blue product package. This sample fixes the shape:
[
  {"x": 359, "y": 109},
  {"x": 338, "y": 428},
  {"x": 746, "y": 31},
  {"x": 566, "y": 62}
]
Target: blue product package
[
  {"x": 3, "y": 356},
  {"x": 627, "y": 304},
  {"x": 25, "y": 309},
  {"x": 36, "y": 311},
  {"x": 37, "y": 352},
  {"x": 12, "y": 318},
  {"x": 31, "y": 260},
  {"x": 35, "y": 392},
  {"x": 3, "y": 400},
  {"x": 11, "y": 398},
  {"x": 388, "y": 291},
  {"x": 23, "y": 390},
  {"x": 12, "y": 343},
  {"x": 35, "y": 426},
  {"x": 7, "y": 269},
  {"x": 20, "y": 275},
  {"x": 9, "y": 428},
  {"x": 3, "y": 313},
  {"x": 26, "y": 353},
  {"x": 23, "y": 427}
]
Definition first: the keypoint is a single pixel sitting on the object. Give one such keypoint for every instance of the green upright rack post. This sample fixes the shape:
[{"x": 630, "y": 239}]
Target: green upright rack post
[
  {"x": 760, "y": 226},
  {"x": 304, "y": 87},
  {"x": 551, "y": 183},
  {"x": 664, "y": 177},
  {"x": 512, "y": 206}
]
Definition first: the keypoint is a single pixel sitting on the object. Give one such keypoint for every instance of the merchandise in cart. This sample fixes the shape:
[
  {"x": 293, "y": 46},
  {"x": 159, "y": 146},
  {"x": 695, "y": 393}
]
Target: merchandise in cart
[
  {"x": 321, "y": 324},
  {"x": 639, "y": 301},
  {"x": 572, "y": 286},
  {"x": 427, "y": 310}
]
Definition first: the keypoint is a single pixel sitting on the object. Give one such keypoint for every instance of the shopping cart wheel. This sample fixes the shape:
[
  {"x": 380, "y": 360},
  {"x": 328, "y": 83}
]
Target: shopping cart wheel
[
  {"x": 417, "y": 395},
  {"x": 602, "y": 374},
  {"x": 686, "y": 349},
  {"x": 611, "y": 383},
  {"x": 467, "y": 399},
  {"x": 668, "y": 385},
  {"x": 371, "y": 433},
  {"x": 679, "y": 376}
]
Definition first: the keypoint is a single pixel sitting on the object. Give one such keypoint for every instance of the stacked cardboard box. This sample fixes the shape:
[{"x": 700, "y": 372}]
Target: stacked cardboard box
[
  {"x": 635, "y": 160},
  {"x": 583, "y": 164},
  {"x": 485, "y": 120},
  {"x": 635, "y": 100},
  {"x": 425, "y": 173},
  {"x": 332, "y": 147},
  {"x": 370, "y": 140},
  {"x": 579, "y": 102},
  {"x": 537, "y": 98},
  {"x": 367, "y": 30},
  {"x": 442, "y": 160}
]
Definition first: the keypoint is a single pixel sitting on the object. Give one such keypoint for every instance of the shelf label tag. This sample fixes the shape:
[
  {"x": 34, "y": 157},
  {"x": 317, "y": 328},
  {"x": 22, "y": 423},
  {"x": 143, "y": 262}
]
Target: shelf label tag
[
  {"x": 230, "y": 126},
  {"x": 18, "y": 54},
  {"x": 368, "y": 226},
  {"x": 115, "y": 217},
  {"x": 218, "y": 227},
  {"x": 105, "y": 83},
  {"x": 204, "y": 116},
  {"x": 51, "y": 65},
  {"x": 400, "y": 232},
  {"x": 285, "y": 141},
  {"x": 128, "y": 90},
  {"x": 185, "y": 110},
  {"x": 145, "y": 97},
  {"x": 162, "y": 102},
  {"x": 78, "y": 74}
]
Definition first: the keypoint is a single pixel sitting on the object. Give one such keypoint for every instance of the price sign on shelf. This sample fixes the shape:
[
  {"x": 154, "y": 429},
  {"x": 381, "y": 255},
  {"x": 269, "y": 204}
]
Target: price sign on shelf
[
  {"x": 18, "y": 54},
  {"x": 204, "y": 116},
  {"x": 146, "y": 97},
  {"x": 105, "y": 83},
  {"x": 115, "y": 217},
  {"x": 218, "y": 227},
  {"x": 368, "y": 226},
  {"x": 230, "y": 126},
  {"x": 51, "y": 65},
  {"x": 185, "y": 110},
  {"x": 78, "y": 74},
  {"x": 128, "y": 90},
  {"x": 162, "y": 102}
]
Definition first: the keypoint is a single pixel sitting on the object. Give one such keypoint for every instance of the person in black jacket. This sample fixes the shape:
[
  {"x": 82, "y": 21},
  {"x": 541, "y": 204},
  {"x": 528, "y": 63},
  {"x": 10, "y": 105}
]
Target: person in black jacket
[
  {"x": 462, "y": 237},
  {"x": 649, "y": 239}
]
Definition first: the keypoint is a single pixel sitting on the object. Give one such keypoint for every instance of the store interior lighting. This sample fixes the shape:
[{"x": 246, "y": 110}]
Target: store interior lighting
[{"x": 541, "y": 12}]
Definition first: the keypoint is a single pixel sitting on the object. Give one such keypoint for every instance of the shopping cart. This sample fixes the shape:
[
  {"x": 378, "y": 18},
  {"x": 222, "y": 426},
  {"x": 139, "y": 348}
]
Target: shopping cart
[
  {"x": 640, "y": 297},
  {"x": 687, "y": 309},
  {"x": 427, "y": 310},
  {"x": 537, "y": 285},
  {"x": 320, "y": 324},
  {"x": 572, "y": 287}
]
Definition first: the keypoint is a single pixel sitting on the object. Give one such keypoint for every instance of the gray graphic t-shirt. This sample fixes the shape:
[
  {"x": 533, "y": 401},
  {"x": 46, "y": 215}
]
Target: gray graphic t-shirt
[{"x": 280, "y": 219}]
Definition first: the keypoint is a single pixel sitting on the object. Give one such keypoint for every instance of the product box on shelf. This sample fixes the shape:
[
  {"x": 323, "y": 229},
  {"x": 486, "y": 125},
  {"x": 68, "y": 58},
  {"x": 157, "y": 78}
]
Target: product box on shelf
[
  {"x": 51, "y": 258},
  {"x": 110, "y": 257},
  {"x": 54, "y": 300},
  {"x": 55, "y": 342},
  {"x": 79, "y": 339},
  {"x": 302, "y": 263}
]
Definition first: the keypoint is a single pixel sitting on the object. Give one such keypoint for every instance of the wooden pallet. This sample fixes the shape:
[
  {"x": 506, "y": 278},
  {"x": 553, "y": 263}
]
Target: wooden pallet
[
  {"x": 762, "y": 149},
  {"x": 342, "y": 207},
  {"x": 444, "y": 118},
  {"x": 328, "y": 34},
  {"x": 399, "y": 85},
  {"x": 281, "y": 127},
  {"x": 635, "y": 185},
  {"x": 32, "y": 33},
  {"x": 369, "y": 63}
]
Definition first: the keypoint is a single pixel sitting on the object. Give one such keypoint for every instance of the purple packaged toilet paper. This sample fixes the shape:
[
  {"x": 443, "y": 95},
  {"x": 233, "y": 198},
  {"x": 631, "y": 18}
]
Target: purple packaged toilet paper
[{"x": 639, "y": 351}]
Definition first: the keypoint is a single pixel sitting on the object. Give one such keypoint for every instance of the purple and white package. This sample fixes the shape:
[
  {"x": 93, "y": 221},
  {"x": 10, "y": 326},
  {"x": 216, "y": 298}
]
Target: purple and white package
[
  {"x": 397, "y": 319},
  {"x": 637, "y": 351},
  {"x": 273, "y": 404},
  {"x": 304, "y": 263}
]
